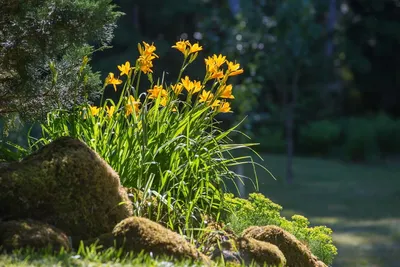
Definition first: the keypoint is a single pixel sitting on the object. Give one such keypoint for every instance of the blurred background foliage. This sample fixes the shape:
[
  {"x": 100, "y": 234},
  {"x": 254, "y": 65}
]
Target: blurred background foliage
[
  {"x": 329, "y": 66},
  {"x": 320, "y": 76}
]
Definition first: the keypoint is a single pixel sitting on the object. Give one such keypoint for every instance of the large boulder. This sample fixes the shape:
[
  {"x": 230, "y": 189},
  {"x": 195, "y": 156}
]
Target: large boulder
[
  {"x": 65, "y": 184},
  {"x": 139, "y": 234},
  {"x": 296, "y": 253},
  {"x": 261, "y": 253},
  {"x": 32, "y": 234}
]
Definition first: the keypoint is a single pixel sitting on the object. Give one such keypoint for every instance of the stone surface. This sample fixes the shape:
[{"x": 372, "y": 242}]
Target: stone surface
[
  {"x": 296, "y": 253},
  {"x": 261, "y": 253},
  {"x": 65, "y": 184},
  {"x": 138, "y": 234},
  {"x": 33, "y": 234}
]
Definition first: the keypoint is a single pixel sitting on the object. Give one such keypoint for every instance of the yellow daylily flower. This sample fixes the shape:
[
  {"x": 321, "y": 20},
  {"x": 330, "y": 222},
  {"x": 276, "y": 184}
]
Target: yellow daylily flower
[
  {"x": 149, "y": 49},
  {"x": 125, "y": 68},
  {"x": 131, "y": 106},
  {"x": 196, "y": 86},
  {"x": 224, "y": 107},
  {"x": 163, "y": 101},
  {"x": 186, "y": 83},
  {"x": 213, "y": 65},
  {"x": 226, "y": 91},
  {"x": 112, "y": 80},
  {"x": 233, "y": 69},
  {"x": 94, "y": 110},
  {"x": 217, "y": 75},
  {"x": 156, "y": 91},
  {"x": 215, "y": 104},
  {"x": 110, "y": 110},
  {"x": 181, "y": 46},
  {"x": 146, "y": 57},
  {"x": 219, "y": 60},
  {"x": 195, "y": 48},
  {"x": 177, "y": 88},
  {"x": 206, "y": 96},
  {"x": 191, "y": 86}
]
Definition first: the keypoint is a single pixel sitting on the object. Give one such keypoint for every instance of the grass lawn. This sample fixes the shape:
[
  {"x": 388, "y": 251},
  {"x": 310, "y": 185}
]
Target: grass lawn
[{"x": 361, "y": 203}]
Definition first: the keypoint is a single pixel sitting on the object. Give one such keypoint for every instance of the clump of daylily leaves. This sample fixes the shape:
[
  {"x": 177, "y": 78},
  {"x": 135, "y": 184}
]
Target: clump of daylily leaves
[{"x": 165, "y": 141}]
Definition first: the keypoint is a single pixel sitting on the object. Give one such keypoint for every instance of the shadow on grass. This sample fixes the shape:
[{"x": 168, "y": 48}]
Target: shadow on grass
[{"x": 361, "y": 203}]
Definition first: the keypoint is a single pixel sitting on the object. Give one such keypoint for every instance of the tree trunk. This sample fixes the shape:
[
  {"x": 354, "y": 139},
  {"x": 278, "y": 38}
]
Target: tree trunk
[
  {"x": 331, "y": 21},
  {"x": 289, "y": 125}
]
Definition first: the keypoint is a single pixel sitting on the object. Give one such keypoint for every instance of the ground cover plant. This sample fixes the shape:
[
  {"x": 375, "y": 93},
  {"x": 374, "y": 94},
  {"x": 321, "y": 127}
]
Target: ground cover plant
[{"x": 258, "y": 210}]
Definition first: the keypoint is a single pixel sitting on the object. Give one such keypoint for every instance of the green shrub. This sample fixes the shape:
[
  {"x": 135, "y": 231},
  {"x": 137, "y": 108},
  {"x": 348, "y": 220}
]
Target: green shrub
[
  {"x": 319, "y": 137},
  {"x": 387, "y": 134},
  {"x": 271, "y": 140},
  {"x": 258, "y": 210},
  {"x": 360, "y": 140}
]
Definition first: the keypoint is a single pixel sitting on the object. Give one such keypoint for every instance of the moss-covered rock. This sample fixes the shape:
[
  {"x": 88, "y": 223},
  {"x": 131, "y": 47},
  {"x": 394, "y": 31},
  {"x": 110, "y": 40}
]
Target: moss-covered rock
[
  {"x": 217, "y": 236},
  {"x": 65, "y": 184},
  {"x": 33, "y": 234},
  {"x": 296, "y": 253},
  {"x": 140, "y": 234},
  {"x": 259, "y": 252}
]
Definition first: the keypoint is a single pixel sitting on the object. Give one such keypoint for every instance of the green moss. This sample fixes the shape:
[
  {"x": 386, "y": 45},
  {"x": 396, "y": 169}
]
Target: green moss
[
  {"x": 33, "y": 234},
  {"x": 136, "y": 234},
  {"x": 296, "y": 253},
  {"x": 65, "y": 184},
  {"x": 260, "y": 252}
]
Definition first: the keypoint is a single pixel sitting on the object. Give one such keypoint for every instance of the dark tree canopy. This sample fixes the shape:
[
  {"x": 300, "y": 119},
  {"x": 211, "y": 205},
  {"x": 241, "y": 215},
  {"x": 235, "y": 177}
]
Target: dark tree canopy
[{"x": 35, "y": 33}]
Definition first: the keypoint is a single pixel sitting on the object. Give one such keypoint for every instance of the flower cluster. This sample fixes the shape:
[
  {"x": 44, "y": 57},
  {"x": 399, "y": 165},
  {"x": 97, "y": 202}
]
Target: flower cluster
[
  {"x": 214, "y": 71},
  {"x": 146, "y": 57},
  {"x": 214, "y": 96},
  {"x": 188, "y": 49}
]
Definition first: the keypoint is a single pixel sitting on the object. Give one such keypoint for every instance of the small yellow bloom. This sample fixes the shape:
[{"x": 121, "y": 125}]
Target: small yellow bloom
[
  {"x": 177, "y": 88},
  {"x": 156, "y": 91},
  {"x": 213, "y": 64},
  {"x": 217, "y": 75},
  {"x": 149, "y": 49},
  {"x": 215, "y": 104},
  {"x": 206, "y": 96},
  {"x": 146, "y": 57},
  {"x": 195, "y": 48},
  {"x": 187, "y": 83},
  {"x": 181, "y": 46},
  {"x": 191, "y": 86},
  {"x": 112, "y": 80},
  {"x": 233, "y": 69},
  {"x": 131, "y": 106},
  {"x": 219, "y": 60},
  {"x": 110, "y": 110},
  {"x": 163, "y": 101},
  {"x": 196, "y": 86},
  {"x": 94, "y": 110},
  {"x": 145, "y": 64},
  {"x": 226, "y": 92},
  {"x": 125, "y": 68},
  {"x": 224, "y": 107}
]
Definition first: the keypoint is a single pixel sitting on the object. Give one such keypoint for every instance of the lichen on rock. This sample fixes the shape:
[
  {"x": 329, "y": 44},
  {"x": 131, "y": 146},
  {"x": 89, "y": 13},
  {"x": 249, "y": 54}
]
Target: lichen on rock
[
  {"x": 65, "y": 184},
  {"x": 32, "y": 234}
]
